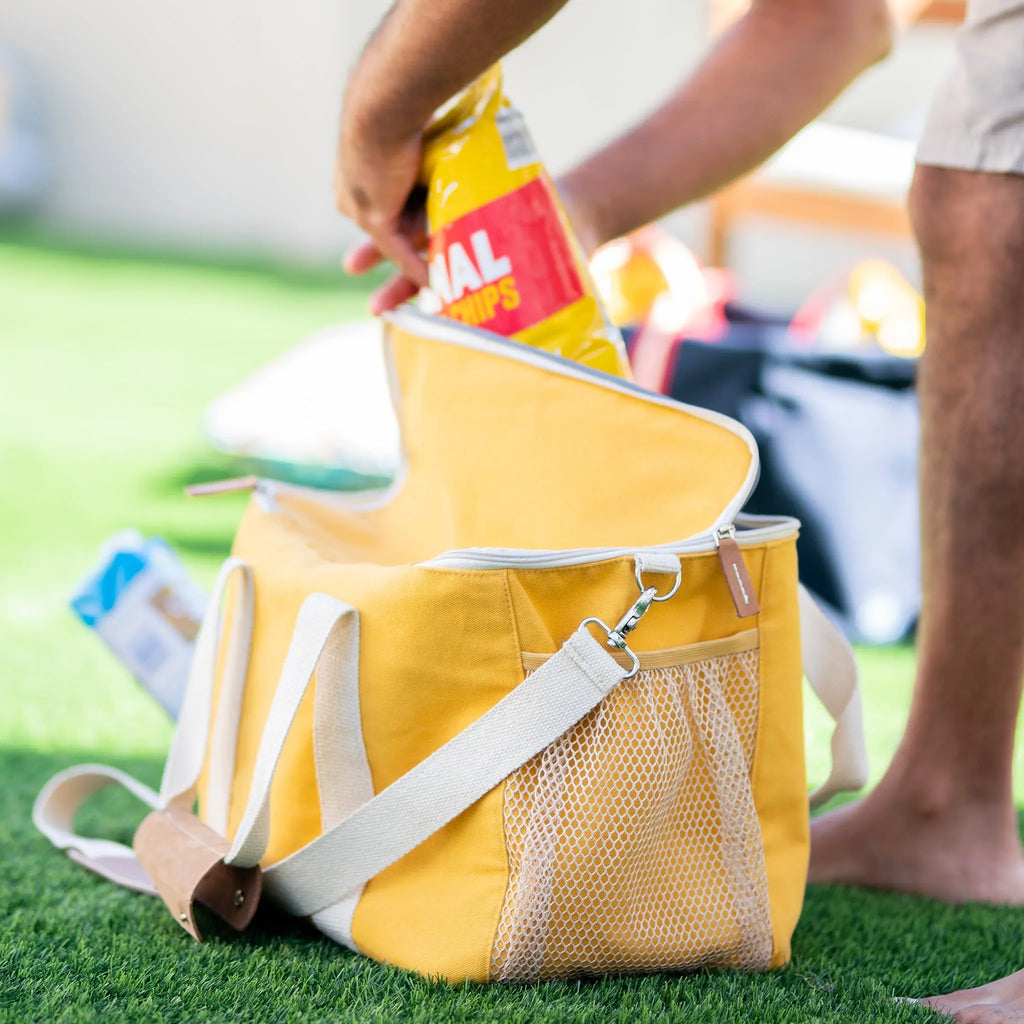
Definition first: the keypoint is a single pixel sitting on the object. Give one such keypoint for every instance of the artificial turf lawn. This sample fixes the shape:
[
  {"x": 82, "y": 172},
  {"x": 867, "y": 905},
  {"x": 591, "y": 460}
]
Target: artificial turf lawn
[{"x": 105, "y": 366}]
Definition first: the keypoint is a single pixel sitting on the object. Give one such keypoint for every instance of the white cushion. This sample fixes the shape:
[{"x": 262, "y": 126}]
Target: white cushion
[{"x": 833, "y": 158}]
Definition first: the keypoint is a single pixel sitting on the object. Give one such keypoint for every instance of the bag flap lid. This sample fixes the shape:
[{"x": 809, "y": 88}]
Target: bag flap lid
[{"x": 508, "y": 446}]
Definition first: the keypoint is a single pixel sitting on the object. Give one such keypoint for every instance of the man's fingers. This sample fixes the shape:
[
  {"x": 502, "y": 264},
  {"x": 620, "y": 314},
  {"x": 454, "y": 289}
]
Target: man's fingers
[
  {"x": 392, "y": 294},
  {"x": 403, "y": 253},
  {"x": 361, "y": 258}
]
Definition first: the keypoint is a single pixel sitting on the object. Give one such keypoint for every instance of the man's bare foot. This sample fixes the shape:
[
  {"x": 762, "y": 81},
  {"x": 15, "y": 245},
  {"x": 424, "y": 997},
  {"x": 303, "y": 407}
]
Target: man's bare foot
[
  {"x": 959, "y": 853},
  {"x": 999, "y": 1002}
]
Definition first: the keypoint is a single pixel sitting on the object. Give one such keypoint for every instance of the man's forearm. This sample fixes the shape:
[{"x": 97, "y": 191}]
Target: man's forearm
[
  {"x": 424, "y": 52},
  {"x": 777, "y": 68}
]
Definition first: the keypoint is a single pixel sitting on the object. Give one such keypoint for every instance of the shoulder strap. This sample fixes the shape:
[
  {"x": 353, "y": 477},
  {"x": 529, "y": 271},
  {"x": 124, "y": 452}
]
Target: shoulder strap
[
  {"x": 54, "y": 810},
  {"x": 54, "y": 815},
  {"x": 385, "y": 828},
  {"x": 831, "y": 671}
]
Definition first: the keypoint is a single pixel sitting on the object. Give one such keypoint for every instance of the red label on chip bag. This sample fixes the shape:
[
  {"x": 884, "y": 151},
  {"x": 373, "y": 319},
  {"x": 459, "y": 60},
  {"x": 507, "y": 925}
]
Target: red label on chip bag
[{"x": 506, "y": 265}]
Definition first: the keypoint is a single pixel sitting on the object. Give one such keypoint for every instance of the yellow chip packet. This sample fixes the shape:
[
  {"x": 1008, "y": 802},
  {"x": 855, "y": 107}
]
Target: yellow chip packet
[{"x": 502, "y": 253}]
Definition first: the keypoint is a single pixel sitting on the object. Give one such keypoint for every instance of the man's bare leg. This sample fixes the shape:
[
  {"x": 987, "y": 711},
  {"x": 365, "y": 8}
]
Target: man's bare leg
[{"x": 942, "y": 821}]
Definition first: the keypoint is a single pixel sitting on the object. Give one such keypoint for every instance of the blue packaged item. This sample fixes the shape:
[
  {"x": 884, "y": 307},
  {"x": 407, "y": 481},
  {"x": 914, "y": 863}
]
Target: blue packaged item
[{"x": 143, "y": 604}]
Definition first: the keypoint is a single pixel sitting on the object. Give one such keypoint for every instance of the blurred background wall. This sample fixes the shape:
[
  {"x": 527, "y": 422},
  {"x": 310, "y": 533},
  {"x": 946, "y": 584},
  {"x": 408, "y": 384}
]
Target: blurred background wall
[{"x": 211, "y": 126}]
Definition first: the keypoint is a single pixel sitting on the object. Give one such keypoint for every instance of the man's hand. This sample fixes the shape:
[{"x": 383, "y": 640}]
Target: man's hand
[
  {"x": 423, "y": 53},
  {"x": 375, "y": 185}
]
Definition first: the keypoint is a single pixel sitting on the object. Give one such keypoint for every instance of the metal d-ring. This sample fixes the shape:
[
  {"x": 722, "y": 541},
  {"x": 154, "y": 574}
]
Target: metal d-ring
[{"x": 659, "y": 597}]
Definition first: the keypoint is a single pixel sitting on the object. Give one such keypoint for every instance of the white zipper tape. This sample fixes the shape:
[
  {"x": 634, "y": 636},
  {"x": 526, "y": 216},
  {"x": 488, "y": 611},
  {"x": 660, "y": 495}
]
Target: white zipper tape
[
  {"x": 520, "y": 558},
  {"x": 750, "y": 530}
]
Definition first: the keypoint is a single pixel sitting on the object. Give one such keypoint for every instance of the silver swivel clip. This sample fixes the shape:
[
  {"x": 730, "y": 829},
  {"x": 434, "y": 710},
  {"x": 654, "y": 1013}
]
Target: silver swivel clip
[
  {"x": 616, "y": 638},
  {"x": 629, "y": 621}
]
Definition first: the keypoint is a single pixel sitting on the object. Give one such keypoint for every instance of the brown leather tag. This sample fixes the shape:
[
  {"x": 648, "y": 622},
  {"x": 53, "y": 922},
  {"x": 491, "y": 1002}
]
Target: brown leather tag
[
  {"x": 185, "y": 859},
  {"x": 741, "y": 586}
]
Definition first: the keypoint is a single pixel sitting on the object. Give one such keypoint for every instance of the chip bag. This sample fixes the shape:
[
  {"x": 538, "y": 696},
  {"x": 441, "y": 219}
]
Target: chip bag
[{"x": 502, "y": 253}]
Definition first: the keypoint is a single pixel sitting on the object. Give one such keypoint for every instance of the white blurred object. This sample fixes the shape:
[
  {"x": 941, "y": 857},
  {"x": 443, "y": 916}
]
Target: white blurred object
[
  {"x": 881, "y": 617},
  {"x": 326, "y": 402},
  {"x": 834, "y": 158},
  {"x": 848, "y": 185},
  {"x": 24, "y": 168}
]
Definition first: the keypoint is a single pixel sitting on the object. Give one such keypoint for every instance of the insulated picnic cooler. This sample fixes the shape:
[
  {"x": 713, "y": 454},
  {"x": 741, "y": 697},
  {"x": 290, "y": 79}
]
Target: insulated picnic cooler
[{"x": 533, "y": 712}]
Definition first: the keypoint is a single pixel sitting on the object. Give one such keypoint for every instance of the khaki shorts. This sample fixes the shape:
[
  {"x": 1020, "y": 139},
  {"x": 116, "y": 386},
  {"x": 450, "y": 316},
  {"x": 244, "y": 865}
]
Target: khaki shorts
[{"x": 976, "y": 122}]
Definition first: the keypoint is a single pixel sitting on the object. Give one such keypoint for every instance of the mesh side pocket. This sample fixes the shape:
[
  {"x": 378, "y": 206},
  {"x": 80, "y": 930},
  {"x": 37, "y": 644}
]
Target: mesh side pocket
[{"x": 633, "y": 842}]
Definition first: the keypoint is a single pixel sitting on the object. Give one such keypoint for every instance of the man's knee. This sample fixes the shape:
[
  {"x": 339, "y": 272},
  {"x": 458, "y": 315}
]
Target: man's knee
[{"x": 969, "y": 216}]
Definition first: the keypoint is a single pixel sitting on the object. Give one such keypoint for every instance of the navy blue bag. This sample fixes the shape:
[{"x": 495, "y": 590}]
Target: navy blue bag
[{"x": 838, "y": 437}]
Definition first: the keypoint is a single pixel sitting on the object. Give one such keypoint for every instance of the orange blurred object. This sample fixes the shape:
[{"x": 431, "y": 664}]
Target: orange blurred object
[
  {"x": 633, "y": 272},
  {"x": 651, "y": 275},
  {"x": 871, "y": 305},
  {"x": 651, "y": 280}
]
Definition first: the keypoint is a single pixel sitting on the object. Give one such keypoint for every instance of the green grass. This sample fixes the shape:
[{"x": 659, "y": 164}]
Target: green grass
[{"x": 105, "y": 366}]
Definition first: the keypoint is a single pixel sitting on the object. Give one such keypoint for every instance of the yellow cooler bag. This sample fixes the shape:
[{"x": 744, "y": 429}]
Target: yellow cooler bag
[{"x": 534, "y": 712}]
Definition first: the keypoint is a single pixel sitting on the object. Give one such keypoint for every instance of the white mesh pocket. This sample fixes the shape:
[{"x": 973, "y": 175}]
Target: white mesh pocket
[{"x": 633, "y": 842}]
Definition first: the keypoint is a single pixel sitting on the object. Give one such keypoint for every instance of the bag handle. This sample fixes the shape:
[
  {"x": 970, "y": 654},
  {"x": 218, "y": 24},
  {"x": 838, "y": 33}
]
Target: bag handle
[
  {"x": 54, "y": 815},
  {"x": 831, "y": 670},
  {"x": 189, "y": 747},
  {"x": 54, "y": 810},
  {"x": 386, "y": 827},
  {"x": 325, "y": 628}
]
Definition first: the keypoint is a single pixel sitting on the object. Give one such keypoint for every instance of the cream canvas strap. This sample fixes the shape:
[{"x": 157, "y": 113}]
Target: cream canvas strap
[
  {"x": 438, "y": 789},
  {"x": 534, "y": 715},
  {"x": 54, "y": 815},
  {"x": 189, "y": 747},
  {"x": 54, "y": 810},
  {"x": 326, "y": 630},
  {"x": 831, "y": 671}
]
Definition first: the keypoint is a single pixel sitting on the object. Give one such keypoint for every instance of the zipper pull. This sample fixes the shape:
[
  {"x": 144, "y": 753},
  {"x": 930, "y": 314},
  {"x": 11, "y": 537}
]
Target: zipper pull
[
  {"x": 741, "y": 586},
  {"x": 238, "y": 483}
]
